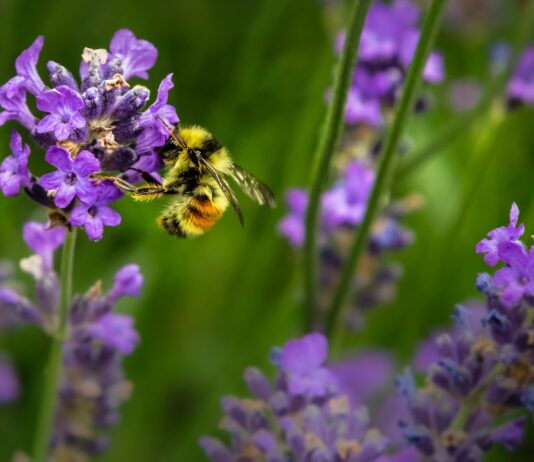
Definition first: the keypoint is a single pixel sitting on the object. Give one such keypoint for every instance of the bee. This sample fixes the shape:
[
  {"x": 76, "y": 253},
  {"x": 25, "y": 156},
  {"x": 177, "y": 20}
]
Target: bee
[{"x": 196, "y": 181}]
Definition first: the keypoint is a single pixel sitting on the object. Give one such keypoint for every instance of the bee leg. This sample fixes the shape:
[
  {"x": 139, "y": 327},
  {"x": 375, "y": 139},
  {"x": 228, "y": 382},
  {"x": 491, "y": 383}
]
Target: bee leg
[
  {"x": 147, "y": 177},
  {"x": 123, "y": 185},
  {"x": 146, "y": 193}
]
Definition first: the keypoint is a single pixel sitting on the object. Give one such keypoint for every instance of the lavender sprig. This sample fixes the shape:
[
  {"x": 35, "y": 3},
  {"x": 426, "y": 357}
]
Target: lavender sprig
[
  {"x": 402, "y": 114},
  {"x": 95, "y": 125},
  {"x": 484, "y": 367},
  {"x": 85, "y": 384},
  {"x": 302, "y": 416}
]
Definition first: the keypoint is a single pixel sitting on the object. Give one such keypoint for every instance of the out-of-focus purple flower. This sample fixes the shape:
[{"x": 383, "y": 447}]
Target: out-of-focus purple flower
[
  {"x": 302, "y": 360},
  {"x": 14, "y": 172},
  {"x": 371, "y": 371},
  {"x": 155, "y": 132},
  {"x": 128, "y": 282},
  {"x": 346, "y": 202},
  {"x": 95, "y": 215},
  {"x": 64, "y": 106},
  {"x": 521, "y": 86},
  {"x": 464, "y": 94},
  {"x": 278, "y": 426},
  {"x": 116, "y": 331},
  {"x": 20, "y": 307},
  {"x": 510, "y": 233},
  {"x": 387, "y": 46},
  {"x": 26, "y": 66},
  {"x": 136, "y": 56},
  {"x": 44, "y": 241},
  {"x": 360, "y": 109},
  {"x": 13, "y": 101},
  {"x": 9, "y": 383},
  {"x": 517, "y": 279},
  {"x": 72, "y": 177},
  {"x": 292, "y": 226}
]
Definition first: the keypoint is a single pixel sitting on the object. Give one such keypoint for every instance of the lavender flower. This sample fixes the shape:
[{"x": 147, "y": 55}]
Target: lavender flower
[
  {"x": 72, "y": 178},
  {"x": 93, "y": 385},
  {"x": 14, "y": 172},
  {"x": 483, "y": 367},
  {"x": 99, "y": 124},
  {"x": 9, "y": 384},
  {"x": 387, "y": 46},
  {"x": 510, "y": 233},
  {"x": 521, "y": 86},
  {"x": 343, "y": 207},
  {"x": 315, "y": 424}
]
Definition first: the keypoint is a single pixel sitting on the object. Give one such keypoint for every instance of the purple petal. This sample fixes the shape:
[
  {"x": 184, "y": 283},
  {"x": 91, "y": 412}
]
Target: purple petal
[
  {"x": 86, "y": 191},
  {"x": 26, "y": 66},
  {"x": 60, "y": 158},
  {"x": 117, "y": 332},
  {"x": 94, "y": 228},
  {"x": 79, "y": 215},
  {"x": 137, "y": 56},
  {"x": 128, "y": 281},
  {"x": 65, "y": 194},
  {"x": 9, "y": 384},
  {"x": 85, "y": 164},
  {"x": 52, "y": 180},
  {"x": 304, "y": 354},
  {"x": 109, "y": 216},
  {"x": 44, "y": 241}
]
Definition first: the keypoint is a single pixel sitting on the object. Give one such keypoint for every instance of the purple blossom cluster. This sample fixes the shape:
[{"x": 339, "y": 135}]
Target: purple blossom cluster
[
  {"x": 301, "y": 416},
  {"x": 92, "y": 385},
  {"x": 483, "y": 370},
  {"x": 99, "y": 124},
  {"x": 387, "y": 47},
  {"x": 342, "y": 210}
]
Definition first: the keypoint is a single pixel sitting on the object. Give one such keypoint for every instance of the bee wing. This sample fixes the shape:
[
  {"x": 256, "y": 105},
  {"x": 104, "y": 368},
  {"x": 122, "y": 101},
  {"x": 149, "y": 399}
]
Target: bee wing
[
  {"x": 252, "y": 187},
  {"x": 225, "y": 187}
]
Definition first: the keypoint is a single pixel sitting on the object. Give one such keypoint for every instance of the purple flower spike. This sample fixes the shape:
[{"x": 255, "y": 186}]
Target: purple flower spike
[
  {"x": 128, "y": 281},
  {"x": 9, "y": 384},
  {"x": 26, "y": 65},
  {"x": 95, "y": 215},
  {"x": 155, "y": 132},
  {"x": 44, "y": 241},
  {"x": 14, "y": 172},
  {"x": 136, "y": 56},
  {"x": 510, "y": 233},
  {"x": 72, "y": 177},
  {"x": 292, "y": 226},
  {"x": 302, "y": 360},
  {"x": 521, "y": 86},
  {"x": 13, "y": 101},
  {"x": 517, "y": 279},
  {"x": 116, "y": 331},
  {"x": 64, "y": 106}
]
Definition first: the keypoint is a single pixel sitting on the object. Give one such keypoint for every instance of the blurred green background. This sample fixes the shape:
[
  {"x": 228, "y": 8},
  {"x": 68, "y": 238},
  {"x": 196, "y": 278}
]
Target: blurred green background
[{"x": 255, "y": 73}]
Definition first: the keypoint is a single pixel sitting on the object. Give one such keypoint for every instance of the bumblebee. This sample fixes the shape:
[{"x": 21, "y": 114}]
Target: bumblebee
[{"x": 196, "y": 180}]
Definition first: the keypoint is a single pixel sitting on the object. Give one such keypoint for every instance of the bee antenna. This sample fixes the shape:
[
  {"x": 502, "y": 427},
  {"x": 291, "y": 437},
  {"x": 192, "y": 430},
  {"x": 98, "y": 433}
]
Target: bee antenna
[{"x": 177, "y": 139}]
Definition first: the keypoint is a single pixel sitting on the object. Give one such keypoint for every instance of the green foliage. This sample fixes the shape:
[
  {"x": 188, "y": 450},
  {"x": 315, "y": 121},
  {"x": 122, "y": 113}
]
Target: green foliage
[{"x": 254, "y": 73}]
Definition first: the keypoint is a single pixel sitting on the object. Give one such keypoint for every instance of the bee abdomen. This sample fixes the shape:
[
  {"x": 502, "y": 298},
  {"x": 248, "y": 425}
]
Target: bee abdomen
[{"x": 192, "y": 219}]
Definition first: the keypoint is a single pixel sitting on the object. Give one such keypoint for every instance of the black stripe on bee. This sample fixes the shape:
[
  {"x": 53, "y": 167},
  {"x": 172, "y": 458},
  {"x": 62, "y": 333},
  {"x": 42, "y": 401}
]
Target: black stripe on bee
[{"x": 210, "y": 146}]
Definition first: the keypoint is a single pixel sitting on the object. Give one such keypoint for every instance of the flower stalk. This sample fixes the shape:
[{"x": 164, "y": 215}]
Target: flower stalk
[
  {"x": 53, "y": 371},
  {"x": 403, "y": 112},
  {"x": 328, "y": 142}
]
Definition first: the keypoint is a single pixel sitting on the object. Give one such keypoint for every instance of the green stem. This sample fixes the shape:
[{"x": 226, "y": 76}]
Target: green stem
[
  {"x": 463, "y": 123},
  {"x": 45, "y": 421},
  {"x": 403, "y": 112},
  {"x": 330, "y": 134},
  {"x": 472, "y": 402}
]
